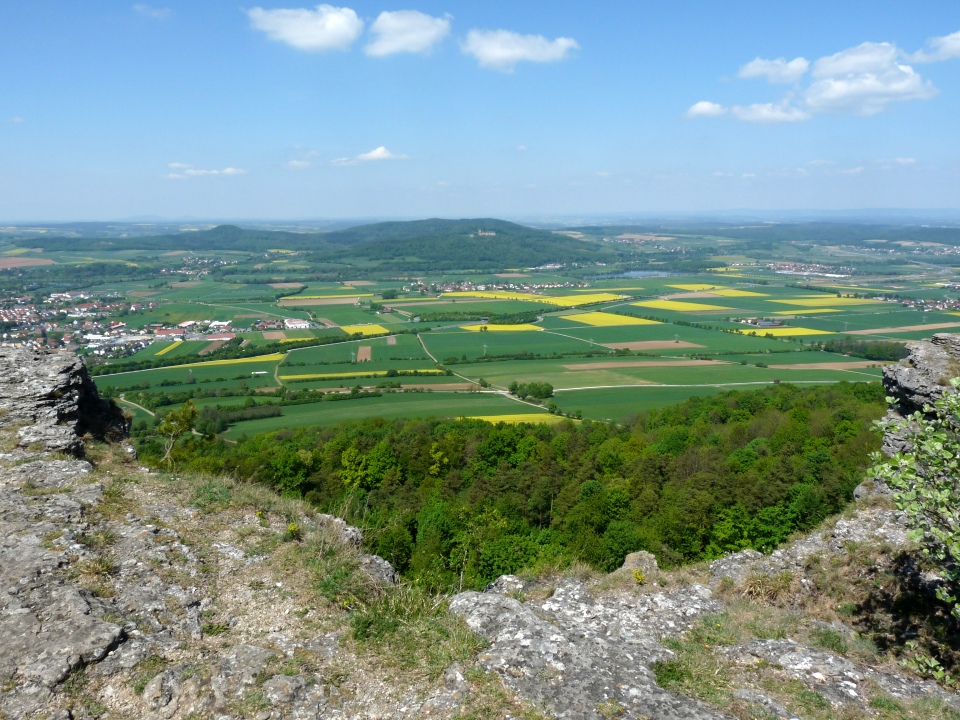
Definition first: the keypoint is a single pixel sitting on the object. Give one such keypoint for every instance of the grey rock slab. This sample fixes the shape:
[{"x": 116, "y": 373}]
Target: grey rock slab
[
  {"x": 378, "y": 569},
  {"x": 836, "y": 678},
  {"x": 570, "y": 655}
]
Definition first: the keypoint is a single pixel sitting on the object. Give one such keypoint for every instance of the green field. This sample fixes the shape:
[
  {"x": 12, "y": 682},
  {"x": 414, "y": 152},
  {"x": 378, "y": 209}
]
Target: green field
[{"x": 397, "y": 405}]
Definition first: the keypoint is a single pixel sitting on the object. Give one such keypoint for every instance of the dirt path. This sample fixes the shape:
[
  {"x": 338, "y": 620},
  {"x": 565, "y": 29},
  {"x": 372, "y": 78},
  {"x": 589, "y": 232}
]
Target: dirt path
[{"x": 140, "y": 407}]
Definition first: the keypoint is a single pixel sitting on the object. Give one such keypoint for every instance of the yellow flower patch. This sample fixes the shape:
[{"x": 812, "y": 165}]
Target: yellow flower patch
[
  {"x": 365, "y": 330},
  {"x": 679, "y": 306},
  {"x": 788, "y": 331},
  {"x": 514, "y": 419},
  {"x": 273, "y": 357},
  {"x": 693, "y": 287},
  {"x": 169, "y": 347}
]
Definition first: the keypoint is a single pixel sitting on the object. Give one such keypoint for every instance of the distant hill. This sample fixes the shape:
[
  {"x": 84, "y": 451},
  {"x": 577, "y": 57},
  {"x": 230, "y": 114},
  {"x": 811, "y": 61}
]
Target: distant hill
[
  {"x": 222, "y": 237},
  {"x": 434, "y": 244},
  {"x": 474, "y": 243}
]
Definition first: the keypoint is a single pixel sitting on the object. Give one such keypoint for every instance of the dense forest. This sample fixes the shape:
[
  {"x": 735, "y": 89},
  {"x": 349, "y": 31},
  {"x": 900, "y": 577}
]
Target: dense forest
[{"x": 461, "y": 502}]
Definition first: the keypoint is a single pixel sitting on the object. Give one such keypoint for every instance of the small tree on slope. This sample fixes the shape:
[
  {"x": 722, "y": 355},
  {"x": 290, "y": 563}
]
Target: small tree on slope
[{"x": 926, "y": 484}]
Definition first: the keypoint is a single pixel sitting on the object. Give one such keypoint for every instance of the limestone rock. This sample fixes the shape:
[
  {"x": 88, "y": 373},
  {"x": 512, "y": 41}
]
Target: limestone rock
[
  {"x": 53, "y": 397},
  {"x": 575, "y": 652},
  {"x": 378, "y": 569}
]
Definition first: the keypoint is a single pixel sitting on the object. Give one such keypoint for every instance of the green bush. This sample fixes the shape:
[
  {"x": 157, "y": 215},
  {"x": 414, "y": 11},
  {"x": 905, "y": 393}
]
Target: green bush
[{"x": 926, "y": 484}]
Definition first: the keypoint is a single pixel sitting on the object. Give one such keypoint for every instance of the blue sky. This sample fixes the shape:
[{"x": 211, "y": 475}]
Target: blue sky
[{"x": 113, "y": 110}]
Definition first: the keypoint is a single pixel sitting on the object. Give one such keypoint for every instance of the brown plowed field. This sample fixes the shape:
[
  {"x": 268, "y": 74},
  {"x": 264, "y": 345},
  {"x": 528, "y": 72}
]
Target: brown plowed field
[
  {"x": 364, "y": 353},
  {"x": 829, "y": 365},
  {"x": 274, "y": 335},
  {"x": 15, "y": 262},
  {"x": 905, "y": 328}
]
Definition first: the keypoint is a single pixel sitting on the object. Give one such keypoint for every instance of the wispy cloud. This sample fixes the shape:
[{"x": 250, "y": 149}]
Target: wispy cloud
[
  {"x": 380, "y": 153},
  {"x": 324, "y": 28},
  {"x": 769, "y": 113},
  {"x": 185, "y": 171},
  {"x": 152, "y": 13},
  {"x": 861, "y": 80},
  {"x": 406, "y": 31},
  {"x": 864, "y": 80},
  {"x": 945, "y": 47},
  {"x": 775, "y": 71},
  {"x": 502, "y": 49},
  {"x": 16, "y": 120},
  {"x": 705, "y": 108},
  {"x": 299, "y": 164},
  {"x": 905, "y": 161}
]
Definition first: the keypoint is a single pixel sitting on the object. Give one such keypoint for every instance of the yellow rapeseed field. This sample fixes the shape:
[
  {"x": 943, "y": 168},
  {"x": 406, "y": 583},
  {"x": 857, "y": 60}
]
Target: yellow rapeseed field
[
  {"x": 327, "y": 297},
  {"x": 236, "y": 361},
  {"x": 522, "y": 327},
  {"x": 514, "y": 419},
  {"x": 602, "y": 319},
  {"x": 788, "y": 331},
  {"x": 693, "y": 287},
  {"x": 364, "y": 330},
  {"x": 169, "y": 347},
  {"x": 679, "y": 306},
  {"x": 357, "y": 374},
  {"x": 561, "y": 300}
]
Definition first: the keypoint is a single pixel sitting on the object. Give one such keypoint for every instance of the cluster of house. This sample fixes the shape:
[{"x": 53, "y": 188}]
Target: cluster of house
[
  {"x": 468, "y": 286},
  {"x": 815, "y": 269}
]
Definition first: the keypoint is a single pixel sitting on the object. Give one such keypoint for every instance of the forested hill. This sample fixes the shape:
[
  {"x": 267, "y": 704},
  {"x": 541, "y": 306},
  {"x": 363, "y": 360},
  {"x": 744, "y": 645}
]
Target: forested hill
[
  {"x": 419, "y": 244},
  {"x": 222, "y": 237},
  {"x": 446, "y": 501},
  {"x": 446, "y": 244}
]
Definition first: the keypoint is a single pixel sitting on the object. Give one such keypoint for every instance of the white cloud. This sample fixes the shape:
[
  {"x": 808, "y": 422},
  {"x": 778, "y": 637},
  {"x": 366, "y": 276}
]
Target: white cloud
[
  {"x": 296, "y": 164},
  {"x": 325, "y": 28},
  {"x": 153, "y": 13},
  {"x": 775, "y": 71},
  {"x": 521, "y": 148},
  {"x": 748, "y": 175},
  {"x": 602, "y": 174},
  {"x": 705, "y": 108},
  {"x": 863, "y": 80},
  {"x": 905, "y": 161},
  {"x": 406, "y": 31},
  {"x": 503, "y": 49},
  {"x": 16, "y": 120},
  {"x": 188, "y": 171},
  {"x": 769, "y": 113},
  {"x": 821, "y": 163},
  {"x": 851, "y": 171},
  {"x": 380, "y": 153},
  {"x": 941, "y": 48}
]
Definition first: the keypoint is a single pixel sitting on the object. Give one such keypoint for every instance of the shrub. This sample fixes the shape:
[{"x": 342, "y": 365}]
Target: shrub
[{"x": 926, "y": 484}]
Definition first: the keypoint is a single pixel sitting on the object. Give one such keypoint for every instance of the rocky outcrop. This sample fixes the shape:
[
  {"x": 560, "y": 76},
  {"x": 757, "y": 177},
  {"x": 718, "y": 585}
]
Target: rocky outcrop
[
  {"x": 919, "y": 380},
  {"x": 51, "y": 399},
  {"x": 576, "y": 653}
]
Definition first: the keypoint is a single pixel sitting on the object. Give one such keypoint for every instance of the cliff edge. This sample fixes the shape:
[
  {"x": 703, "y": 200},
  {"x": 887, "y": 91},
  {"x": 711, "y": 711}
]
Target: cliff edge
[{"x": 129, "y": 593}]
